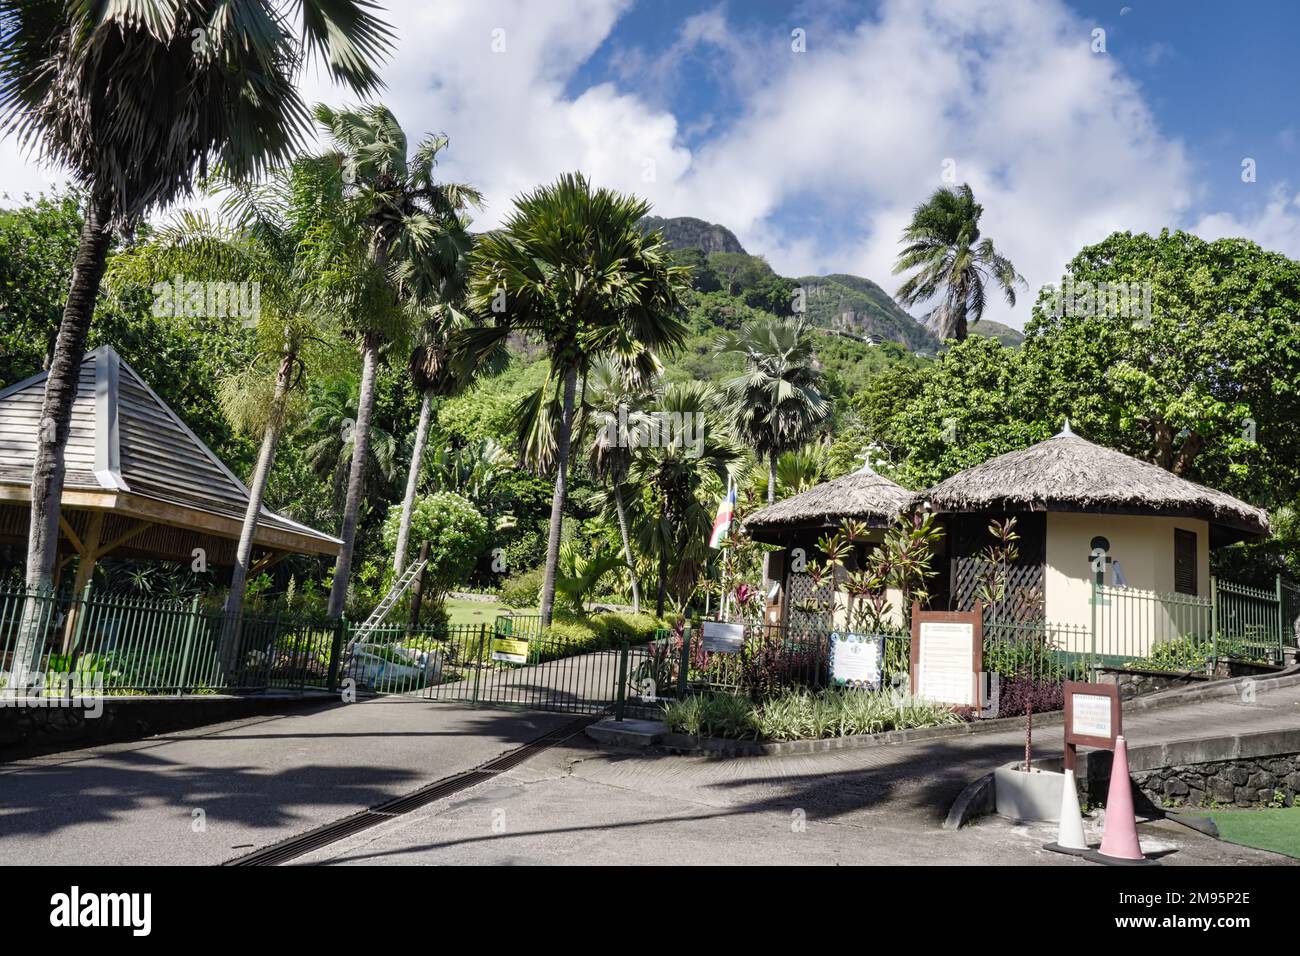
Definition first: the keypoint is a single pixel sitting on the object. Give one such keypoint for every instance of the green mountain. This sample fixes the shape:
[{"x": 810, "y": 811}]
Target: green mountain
[
  {"x": 1012, "y": 338},
  {"x": 852, "y": 304},
  {"x": 685, "y": 232}
]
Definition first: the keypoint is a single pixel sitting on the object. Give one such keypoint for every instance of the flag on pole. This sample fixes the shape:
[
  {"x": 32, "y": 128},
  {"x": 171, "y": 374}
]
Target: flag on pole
[{"x": 726, "y": 511}]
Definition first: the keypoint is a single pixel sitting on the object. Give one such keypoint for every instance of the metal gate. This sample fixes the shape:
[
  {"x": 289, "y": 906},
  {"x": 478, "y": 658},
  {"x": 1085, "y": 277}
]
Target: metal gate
[{"x": 513, "y": 663}]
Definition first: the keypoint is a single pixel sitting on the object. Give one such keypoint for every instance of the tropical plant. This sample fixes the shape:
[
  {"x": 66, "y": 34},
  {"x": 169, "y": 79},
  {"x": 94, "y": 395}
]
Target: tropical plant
[
  {"x": 260, "y": 239},
  {"x": 136, "y": 99},
  {"x": 571, "y": 267},
  {"x": 456, "y": 532},
  {"x": 952, "y": 262},
  {"x": 403, "y": 252},
  {"x": 679, "y": 485},
  {"x": 614, "y": 399},
  {"x": 329, "y": 425},
  {"x": 797, "y": 470},
  {"x": 579, "y": 573},
  {"x": 774, "y": 404}
]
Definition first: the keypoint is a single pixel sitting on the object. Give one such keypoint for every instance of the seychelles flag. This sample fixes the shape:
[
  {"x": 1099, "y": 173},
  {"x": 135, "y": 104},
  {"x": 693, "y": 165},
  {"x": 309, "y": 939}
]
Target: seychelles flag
[{"x": 726, "y": 511}]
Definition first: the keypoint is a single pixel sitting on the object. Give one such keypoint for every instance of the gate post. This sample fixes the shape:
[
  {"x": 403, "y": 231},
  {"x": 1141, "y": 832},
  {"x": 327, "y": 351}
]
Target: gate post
[
  {"x": 336, "y": 654},
  {"x": 684, "y": 665},
  {"x": 478, "y": 660},
  {"x": 620, "y": 697},
  {"x": 192, "y": 626},
  {"x": 1213, "y": 666},
  {"x": 1281, "y": 620}
]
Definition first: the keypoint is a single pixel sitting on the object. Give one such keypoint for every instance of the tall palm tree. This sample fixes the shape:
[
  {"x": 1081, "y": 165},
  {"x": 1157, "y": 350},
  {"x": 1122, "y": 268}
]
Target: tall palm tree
[
  {"x": 571, "y": 267},
  {"x": 943, "y": 244},
  {"x": 330, "y": 430},
  {"x": 680, "y": 484},
  {"x": 136, "y": 99},
  {"x": 260, "y": 236},
  {"x": 415, "y": 239},
  {"x": 775, "y": 403},
  {"x": 614, "y": 410}
]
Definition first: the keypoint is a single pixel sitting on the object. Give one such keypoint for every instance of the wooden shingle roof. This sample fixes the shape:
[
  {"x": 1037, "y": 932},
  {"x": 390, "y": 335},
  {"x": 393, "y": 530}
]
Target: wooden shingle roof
[{"x": 129, "y": 452}]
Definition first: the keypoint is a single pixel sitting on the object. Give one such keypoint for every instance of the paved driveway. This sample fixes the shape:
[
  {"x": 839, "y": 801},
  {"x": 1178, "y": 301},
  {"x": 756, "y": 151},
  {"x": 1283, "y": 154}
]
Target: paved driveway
[{"x": 207, "y": 795}]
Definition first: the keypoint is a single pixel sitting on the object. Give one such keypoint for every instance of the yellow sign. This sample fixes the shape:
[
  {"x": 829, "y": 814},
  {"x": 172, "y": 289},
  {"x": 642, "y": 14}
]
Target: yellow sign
[{"x": 510, "y": 650}]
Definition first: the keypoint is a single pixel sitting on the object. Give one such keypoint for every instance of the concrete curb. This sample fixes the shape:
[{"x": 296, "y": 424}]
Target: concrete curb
[
  {"x": 976, "y": 800},
  {"x": 1223, "y": 687}
]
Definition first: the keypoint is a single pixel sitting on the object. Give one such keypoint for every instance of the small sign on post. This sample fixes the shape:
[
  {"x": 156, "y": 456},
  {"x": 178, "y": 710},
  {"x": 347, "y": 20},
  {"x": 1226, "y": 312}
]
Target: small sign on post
[
  {"x": 510, "y": 650},
  {"x": 857, "y": 660},
  {"x": 1092, "y": 717},
  {"x": 947, "y": 655},
  {"x": 721, "y": 638}
]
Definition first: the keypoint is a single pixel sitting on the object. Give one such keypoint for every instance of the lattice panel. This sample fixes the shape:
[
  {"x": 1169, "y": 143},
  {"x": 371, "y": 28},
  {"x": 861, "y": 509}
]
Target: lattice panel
[
  {"x": 801, "y": 591},
  {"x": 1022, "y": 602}
]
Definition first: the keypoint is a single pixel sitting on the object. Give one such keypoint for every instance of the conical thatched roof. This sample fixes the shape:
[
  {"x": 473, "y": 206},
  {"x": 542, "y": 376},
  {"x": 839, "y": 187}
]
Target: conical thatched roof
[
  {"x": 1069, "y": 473},
  {"x": 863, "y": 496}
]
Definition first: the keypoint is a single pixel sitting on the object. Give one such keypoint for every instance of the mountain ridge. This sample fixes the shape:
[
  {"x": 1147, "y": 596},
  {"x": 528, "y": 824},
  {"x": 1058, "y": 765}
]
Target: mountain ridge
[{"x": 840, "y": 302}]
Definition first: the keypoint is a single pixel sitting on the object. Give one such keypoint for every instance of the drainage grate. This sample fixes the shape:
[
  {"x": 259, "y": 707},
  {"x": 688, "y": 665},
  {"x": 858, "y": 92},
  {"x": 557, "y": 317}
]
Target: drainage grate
[{"x": 297, "y": 846}]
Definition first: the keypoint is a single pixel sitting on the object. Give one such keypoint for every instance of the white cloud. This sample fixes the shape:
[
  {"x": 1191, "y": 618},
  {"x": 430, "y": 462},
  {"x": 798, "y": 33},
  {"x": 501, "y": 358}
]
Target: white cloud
[
  {"x": 1057, "y": 142},
  {"x": 1276, "y": 226}
]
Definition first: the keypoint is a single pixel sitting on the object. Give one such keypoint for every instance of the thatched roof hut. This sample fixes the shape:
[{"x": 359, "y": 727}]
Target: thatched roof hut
[
  {"x": 1069, "y": 473},
  {"x": 863, "y": 496}
]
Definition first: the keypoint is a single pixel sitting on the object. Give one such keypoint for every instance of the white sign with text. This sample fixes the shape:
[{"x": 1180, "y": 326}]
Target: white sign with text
[{"x": 946, "y": 663}]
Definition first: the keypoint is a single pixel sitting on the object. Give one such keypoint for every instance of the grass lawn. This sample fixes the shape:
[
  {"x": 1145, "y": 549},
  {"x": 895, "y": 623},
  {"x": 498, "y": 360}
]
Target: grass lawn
[
  {"x": 1273, "y": 829},
  {"x": 477, "y": 612}
]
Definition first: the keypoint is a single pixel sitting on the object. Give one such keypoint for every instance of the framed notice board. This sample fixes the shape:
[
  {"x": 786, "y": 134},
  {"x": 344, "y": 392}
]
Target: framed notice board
[{"x": 947, "y": 655}]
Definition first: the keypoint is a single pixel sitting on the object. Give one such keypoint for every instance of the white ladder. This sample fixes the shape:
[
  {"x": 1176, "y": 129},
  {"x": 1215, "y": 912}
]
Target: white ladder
[{"x": 381, "y": 610}]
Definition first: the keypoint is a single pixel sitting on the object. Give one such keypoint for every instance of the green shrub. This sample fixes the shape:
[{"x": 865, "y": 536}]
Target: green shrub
[
  {"x": 523, "y": 590},
  {"x": 803, "y": 715},
  {"x": 1187, "y": 653},
  {"x": 633, "y": 628}
]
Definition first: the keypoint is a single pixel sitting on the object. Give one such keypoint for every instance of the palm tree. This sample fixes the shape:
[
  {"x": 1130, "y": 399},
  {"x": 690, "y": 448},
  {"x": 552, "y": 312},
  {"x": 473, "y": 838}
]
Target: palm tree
[
  {"x": 613, "y": 406},
  {"x": 415, "y": 239},
  {"x": 952, "y": 262},
  {"x": 261, "y": 236},
  {"x": 434, "y": 375},
  {"x": 571, "y": 266},
  {"x": 329, "y": 426},
  {"x": 136, "y": 99},
  {"x": 775, "y": 404},
  {"x": 680, "y": 483}
]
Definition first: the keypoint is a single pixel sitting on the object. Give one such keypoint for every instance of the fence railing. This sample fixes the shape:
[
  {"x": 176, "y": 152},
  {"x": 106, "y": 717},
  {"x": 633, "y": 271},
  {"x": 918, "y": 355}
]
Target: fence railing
[
  {"x": 105, "y": 644},
  {"x": 1129, "y": 628},
  {"x": 114, "y": 644}
]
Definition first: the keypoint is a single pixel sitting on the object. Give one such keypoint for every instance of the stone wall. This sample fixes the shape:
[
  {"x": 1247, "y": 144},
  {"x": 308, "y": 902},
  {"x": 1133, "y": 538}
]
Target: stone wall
[
  {"x": 27, "y": 731},
  {"x": 1133, "y": 683},
  {"x": 1244, "y": 782},
  {"x": 1241, "y": 770}
]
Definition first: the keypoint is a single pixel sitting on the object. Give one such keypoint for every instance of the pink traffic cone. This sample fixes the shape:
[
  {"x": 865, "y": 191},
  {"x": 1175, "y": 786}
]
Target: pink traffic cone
[{"x": 1119, "y": 840}]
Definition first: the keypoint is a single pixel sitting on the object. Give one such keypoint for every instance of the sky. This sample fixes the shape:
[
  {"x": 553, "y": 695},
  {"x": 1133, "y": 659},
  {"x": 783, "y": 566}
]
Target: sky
[{"x": 811, "y": 129}]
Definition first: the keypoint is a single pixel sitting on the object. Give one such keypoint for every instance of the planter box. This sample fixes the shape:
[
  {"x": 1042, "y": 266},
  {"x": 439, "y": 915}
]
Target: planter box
[{"x": 1033, "y": 797}]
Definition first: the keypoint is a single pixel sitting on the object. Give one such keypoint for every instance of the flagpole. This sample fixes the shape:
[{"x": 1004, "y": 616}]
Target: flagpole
[{"x": 722, "y": 571}]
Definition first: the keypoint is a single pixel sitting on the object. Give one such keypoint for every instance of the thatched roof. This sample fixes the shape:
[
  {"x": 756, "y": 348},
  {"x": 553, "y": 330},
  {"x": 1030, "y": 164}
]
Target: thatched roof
[
  {"x": 1069, "y": 473},
  {"x": 863, "y": 496}
]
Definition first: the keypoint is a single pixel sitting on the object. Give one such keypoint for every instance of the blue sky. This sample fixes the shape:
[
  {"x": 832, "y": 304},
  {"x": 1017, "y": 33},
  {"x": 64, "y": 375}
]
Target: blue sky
[{"x": 815, "y": 158}]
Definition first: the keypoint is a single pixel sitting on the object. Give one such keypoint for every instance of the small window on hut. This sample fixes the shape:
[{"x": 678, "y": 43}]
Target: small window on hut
[{"x": 1184, "y": 561}]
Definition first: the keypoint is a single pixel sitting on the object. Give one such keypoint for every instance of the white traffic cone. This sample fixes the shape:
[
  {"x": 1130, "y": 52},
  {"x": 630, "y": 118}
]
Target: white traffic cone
[{"x": 1069, "y": 835}]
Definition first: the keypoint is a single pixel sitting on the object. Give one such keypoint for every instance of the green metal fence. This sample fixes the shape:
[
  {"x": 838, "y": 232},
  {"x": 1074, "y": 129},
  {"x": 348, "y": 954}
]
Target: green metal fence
[
  {"x": 115, "y": 644},
  {"x": 103, "y": 644}
]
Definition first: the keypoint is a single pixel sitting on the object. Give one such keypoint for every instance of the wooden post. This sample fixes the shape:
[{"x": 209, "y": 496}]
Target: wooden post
[{"x": 88, "y": 554}]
